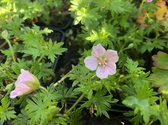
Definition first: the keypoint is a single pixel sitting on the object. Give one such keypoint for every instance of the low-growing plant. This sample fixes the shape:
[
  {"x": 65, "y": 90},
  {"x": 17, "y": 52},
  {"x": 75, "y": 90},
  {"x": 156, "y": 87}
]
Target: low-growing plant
[{"x": 117, "y": 41}]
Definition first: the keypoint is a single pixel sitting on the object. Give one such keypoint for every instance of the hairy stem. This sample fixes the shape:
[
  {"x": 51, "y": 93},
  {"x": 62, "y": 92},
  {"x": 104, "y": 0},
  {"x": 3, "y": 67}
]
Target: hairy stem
[
  {"x": 140, "y": 7},
  {"x": 43, "y": 88},
  {"x": 62, "y": 79},
  {"x": 11, "y": 49},
  {"x": 74, "y": 105}
]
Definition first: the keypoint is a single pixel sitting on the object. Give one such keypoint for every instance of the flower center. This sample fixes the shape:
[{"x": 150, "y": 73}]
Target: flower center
[{"x": 102, "y": 61}]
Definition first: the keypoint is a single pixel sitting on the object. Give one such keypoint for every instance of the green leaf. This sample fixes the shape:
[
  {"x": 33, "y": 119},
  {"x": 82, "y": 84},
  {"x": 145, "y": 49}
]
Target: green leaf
[
  {"x": 21, "y": 119},
  {"x": 33, "y": 52},
  {"x": 163, "y": 112},
  {"x": 159, "y": 79},
  {"x": 42, "y": 69},
  {"x": 6, "y": 112},
  {"x": 160, "y": 72},
  {"x": 160, "y": 60},
  {"x": 76, "y": 117},
  {"x": 119, "y": 6},
  {"x": 53, "y": 49},
  {"x": 21, "y": 64},
  {"x": 86, "y": 16},
  {"x": 4, "y": 34},
  {"x": 102, "y": 36},
  {"x": 132, "y": 67},
  {"x": 77, "y": 74},
  {"x": 141, "y": 105},
  {"x": 42, "y": 107},
  {"x": 101, "y": 102}
]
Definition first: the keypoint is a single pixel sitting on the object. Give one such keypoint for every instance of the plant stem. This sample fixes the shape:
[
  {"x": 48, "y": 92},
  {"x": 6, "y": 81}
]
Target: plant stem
[
  {"x": 43, "y": 88},
  {"x": 62, "y": 79},
  {"x": 41, "y": 57},
  {"x": 2, "y": 45},
  {"x": 140, "y": 7},
  {"x": 11, "y": 49},
  {"x": 73, "y": 106}
]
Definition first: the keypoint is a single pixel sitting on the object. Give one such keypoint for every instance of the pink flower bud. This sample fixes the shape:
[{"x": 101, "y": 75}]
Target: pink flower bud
[{"x": 25, "y": 83}]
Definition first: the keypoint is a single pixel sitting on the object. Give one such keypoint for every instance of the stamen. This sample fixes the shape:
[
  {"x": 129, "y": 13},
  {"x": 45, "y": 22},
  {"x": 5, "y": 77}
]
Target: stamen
[{"x": 102, "y": 61}]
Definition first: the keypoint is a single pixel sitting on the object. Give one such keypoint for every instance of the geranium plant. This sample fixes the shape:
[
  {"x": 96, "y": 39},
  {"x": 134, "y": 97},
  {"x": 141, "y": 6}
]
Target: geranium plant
[{"x": 66, "y": 62}]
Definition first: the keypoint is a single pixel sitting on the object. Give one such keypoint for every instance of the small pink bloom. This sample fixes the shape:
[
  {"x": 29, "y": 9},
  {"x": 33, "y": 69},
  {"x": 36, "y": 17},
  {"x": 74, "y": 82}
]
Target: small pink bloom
[
  {"x": 103, "y": 61},
  {"x": 25, "y": 83},
  {"x": 149, "y": 0}
]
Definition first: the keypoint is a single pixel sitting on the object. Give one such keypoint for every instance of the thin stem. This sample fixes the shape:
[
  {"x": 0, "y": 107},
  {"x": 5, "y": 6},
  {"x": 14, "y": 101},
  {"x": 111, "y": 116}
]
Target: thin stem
[
  {"x": 150, "y": 122},
  {"x": 41, "y": 57},
  {"x": 92, "y": 76},
  {"x": 43, "y": 88},
  {"x": 2, "y": 45},
  {"x": 140, "y": 7},
  {"x": 11, "y": 49},
  {"x": 62, "y": 79},
  {"x": 74, "y": 105}
]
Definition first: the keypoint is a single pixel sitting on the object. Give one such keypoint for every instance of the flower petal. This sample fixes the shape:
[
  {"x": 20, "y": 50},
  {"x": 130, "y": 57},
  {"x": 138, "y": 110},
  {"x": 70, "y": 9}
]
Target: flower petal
[
  {"x": 24, "y": 77},
  {"x": 101, "y": 72},
  {"x": 20, "y": 90},
  {"x": 98, "y": 50},
  {"x": 111, "y": 56},
  {"x": 149, "y": 0},
  {"x": 91, "y": 62},
  {"x": 13, "y": 95},
  {"x": 111, "y": 67}
]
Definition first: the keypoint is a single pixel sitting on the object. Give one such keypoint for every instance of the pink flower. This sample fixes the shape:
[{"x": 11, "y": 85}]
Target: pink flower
[
  {"x": 25, "y": 83},
  {"x": 103, "y": 61},
  {"x": 149, "y": 0}
]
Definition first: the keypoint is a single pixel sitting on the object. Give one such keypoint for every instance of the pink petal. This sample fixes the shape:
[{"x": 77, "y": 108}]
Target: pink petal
[
  {"x": 111, "y": 56},
  {"x": 24, "y": 77},
  {"x": 91, "y": 62},
  {"x": 20, "y": 90},
  {"x": 13, "y": 95},
  {"x": 98, "y": 50},
  {"x": 149, "y": 0},
  {"x": 111, "y": 67},
  {"x": 101, "y": 72}
]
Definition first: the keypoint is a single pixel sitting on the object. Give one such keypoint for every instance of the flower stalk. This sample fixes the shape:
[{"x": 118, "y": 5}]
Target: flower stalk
[
  {"x": 4, "y": 34},
  {"x": 62, "y": 79},
  {"x": 74, "y": 105}
]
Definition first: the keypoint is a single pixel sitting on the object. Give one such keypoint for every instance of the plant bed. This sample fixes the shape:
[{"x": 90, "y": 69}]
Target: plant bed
[{"x": 79, "y": 62}]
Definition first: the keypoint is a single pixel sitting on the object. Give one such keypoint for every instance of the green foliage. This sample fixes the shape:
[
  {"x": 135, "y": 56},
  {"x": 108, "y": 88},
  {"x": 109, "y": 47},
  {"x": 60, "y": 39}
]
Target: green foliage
[
  {"x": 101, "y": 36},
  {"x": 160, "y": 72},
  {"x": 135, "y": 29},
  {"x": 142, "y": 99},
  {"x": 161, "y": 60},
  {"x": 142, "y": 107},
  {"x": 42, "y": 107},
  {"x": 27, "y": 9},
  {"x": 101, "y": 102},
  {"x": 37, "y": 47},
  {"x": 93, "y": 89},
  {"x": 163, "y": 112},
  {"x": 21, "y": 119},
  {"x": 77, "y": 75},
  {"x": 132, "y": 67},
  {"x": 6, "y": 111},
  {"x": 122, "y": 17},
  {"x": 6, "y": 72},
  {"x": 76, "y": 117}
]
